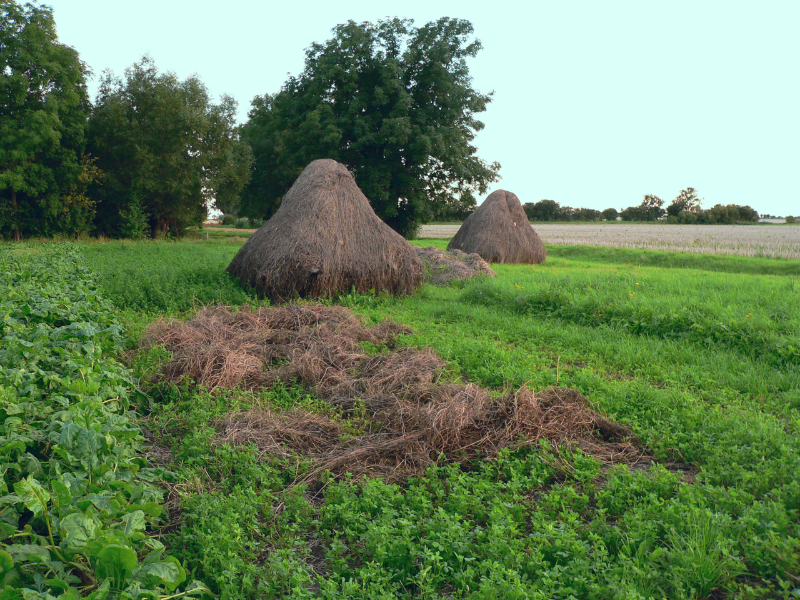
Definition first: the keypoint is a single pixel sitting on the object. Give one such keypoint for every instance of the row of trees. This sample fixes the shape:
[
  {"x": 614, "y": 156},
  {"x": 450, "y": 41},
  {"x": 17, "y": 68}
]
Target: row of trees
[
  {"x": 550, "y": 210},
  {"x": 146, "y": 157},
  {"x": 392, "y": 101},
  {"x": 685, "y": 208}
]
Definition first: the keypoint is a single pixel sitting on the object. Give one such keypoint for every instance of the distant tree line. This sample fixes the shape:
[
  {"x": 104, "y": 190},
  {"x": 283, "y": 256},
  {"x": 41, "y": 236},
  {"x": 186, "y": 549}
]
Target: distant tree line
[
  {"x": 685, "y": 208},
  {"x": 550, "y": 210}
]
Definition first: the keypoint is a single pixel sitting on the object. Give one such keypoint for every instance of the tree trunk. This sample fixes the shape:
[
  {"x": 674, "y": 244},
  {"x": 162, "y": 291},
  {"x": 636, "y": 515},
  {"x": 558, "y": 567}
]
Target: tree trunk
[
  {"x": 160, "y": 227},
  {"x": 17, "y": 232}
]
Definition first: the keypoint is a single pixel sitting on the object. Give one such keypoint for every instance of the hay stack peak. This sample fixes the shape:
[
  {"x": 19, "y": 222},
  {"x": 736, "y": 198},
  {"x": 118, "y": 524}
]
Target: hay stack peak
[
  {"x": 325, "y": 238},
  {"x": 499, "y": 232}
]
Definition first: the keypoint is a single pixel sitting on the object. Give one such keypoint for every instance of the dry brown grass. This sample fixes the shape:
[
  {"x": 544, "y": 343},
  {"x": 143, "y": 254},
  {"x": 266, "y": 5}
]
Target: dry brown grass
[
  {"x": 414, "y": 417},
  {"x": 441, "y": 267}
]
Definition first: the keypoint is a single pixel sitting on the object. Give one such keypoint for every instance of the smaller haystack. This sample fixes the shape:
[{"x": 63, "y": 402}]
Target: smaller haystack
[
  {"x": 499, "y": 232},
  {"x": 325, "y": 238},
  {"x": 441, "y": 267}
]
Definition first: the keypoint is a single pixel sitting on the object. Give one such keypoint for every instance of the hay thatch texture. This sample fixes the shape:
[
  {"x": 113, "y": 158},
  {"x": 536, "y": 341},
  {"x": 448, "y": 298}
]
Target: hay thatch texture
[
  {"x": 325, "y": 238},
  {"x": 441, "y": 268},
  {"x": 460, "y": 421},
  {"x": 499, "y": 232},
  {"x": 313, "y": 343},
  {"x": 413, "y": 415}
]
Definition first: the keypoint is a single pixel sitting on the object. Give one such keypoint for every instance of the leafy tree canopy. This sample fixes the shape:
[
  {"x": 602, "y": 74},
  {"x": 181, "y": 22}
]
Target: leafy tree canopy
[
  {"x": 687, "y": 200},
  {"x": 43, "y": 108},
  {"x": 167, "y": 151},
  {"x": 610, "y": 214},
  {"x": 393, "y": 102},
  {"x": 649, "y": 210}
]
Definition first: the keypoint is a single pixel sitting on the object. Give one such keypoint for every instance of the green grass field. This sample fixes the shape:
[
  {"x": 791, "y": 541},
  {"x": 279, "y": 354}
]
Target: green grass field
[{"x": 699, "y": 355}]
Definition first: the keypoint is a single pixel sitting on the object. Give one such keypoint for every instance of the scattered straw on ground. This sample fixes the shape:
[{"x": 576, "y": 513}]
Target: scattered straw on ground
[
  {"x": 414, "y": 417},
  {"x": 443, "y": 267}
]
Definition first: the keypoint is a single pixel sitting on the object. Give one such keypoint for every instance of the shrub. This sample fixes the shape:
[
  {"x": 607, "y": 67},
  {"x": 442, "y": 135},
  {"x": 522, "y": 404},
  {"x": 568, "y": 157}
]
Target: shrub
[
  {"x": 133, "y": 222},
  {"x": 228, "y": 220},
  {"x": 791, "y": 219},
  {"x": 243, "y": 223}
]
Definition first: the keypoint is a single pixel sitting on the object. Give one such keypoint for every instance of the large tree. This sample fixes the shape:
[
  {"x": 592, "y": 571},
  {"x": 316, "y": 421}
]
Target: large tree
[
  {"x": 393, "y": 102},
  {"x": 687, "y": 200},
  {"x": 43, "y": 109},
  {"x": 166, "y": 150},
  {"x": 651, "y": 209}
]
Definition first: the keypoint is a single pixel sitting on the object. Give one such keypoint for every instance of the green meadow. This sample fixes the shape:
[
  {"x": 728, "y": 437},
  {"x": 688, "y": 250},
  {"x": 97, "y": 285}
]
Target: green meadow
[{"x": 698, "y": 354}]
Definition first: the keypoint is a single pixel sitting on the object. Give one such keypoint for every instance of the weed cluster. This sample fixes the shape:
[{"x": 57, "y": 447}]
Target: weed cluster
[{"x": 165, "y": 277}]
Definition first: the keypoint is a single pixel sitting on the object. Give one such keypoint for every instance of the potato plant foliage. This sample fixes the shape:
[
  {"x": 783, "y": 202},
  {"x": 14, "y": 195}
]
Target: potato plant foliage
[{"x": 77, "y": 499}]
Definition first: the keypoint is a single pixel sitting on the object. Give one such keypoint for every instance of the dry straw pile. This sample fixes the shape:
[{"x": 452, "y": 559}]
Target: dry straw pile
[
  {"x": 325, "y": 238},
  {"x": 412, "y": 417},
  {"x": 443, "y": 267},
  {"x": 499, "y": 232}
]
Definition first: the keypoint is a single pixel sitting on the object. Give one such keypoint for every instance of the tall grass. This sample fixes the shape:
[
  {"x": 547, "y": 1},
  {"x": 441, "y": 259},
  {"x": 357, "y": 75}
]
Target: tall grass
[{"x": 166, "y": 277}]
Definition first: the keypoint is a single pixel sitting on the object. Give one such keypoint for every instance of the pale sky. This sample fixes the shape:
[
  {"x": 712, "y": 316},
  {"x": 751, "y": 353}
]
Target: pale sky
[{"x": 595, "y": 103}]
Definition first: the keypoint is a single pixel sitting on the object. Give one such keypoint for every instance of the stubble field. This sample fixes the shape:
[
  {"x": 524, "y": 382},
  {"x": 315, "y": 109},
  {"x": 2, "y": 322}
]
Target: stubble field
[{"x": 774, "y": 241}]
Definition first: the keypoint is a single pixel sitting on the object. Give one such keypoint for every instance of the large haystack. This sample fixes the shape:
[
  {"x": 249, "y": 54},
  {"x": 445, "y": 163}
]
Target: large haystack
[
  {"x": 325, "y": 238},
  {"x": 499, "y": 232}
]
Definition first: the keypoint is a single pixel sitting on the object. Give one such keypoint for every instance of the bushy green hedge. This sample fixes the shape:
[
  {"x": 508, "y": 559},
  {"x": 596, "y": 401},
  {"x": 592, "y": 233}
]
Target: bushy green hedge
[{"x": 77, "y": 498}]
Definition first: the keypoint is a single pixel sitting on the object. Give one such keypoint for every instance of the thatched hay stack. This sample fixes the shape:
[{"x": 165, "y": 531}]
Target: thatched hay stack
[
  {"x": 325, "y": 238},
  {"x": 499, "y": 232}
]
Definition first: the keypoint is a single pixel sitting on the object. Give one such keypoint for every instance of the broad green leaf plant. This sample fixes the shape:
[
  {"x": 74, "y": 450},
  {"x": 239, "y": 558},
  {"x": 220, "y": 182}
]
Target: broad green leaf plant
[{"x": 77, "y": 499}]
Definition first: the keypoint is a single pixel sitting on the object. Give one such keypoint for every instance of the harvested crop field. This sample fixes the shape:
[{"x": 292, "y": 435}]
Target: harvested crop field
[{"x": 781, "y": 241}]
